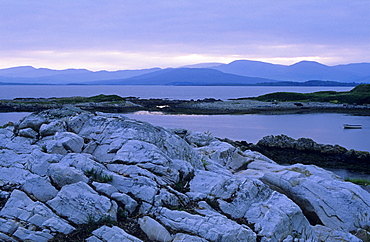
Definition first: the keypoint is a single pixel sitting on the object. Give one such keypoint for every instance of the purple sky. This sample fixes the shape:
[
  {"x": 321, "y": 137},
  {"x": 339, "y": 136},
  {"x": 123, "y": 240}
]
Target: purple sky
[{"x": 135, "y": 34}]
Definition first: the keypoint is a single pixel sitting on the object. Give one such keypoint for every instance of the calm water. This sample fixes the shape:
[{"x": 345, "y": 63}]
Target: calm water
[
  {"x": 325, "y": 128},
  {"x": 171, "y": 92}
]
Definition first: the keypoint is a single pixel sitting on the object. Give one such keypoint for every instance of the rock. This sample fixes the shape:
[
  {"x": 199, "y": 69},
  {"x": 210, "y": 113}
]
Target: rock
[
  {"x": 6, "y": 238},
  {"x": 225, "y": 154},
  {"x": 63, "y": 175},
  {"x": 186, "y": 237},
  {"x": 154, "y": 230},
  {"x": 197, "y": 187},
  {"x": 70, "y": 141},
  {"x": 105, "y": 188},
  {"x": 8, "y": 226},
  {"x": 40, "y": 188},
  {"x": 212, "y": 228},
  {"x": 29, "y": 235},
  {"x": 19, "y": 206},
  {"x": 324, "y": 197},
  {"x": 28, "y": 133},
  {"x": 80, "y": 203},
  {"x": 129, "y": 203},
  {"x": 53, "y": 127},
  {"x": 38, "y": 162},
  {"x": 113, "y": 234},
  {"x": 33, "y": 121},
  {"x": 199, "y": 139},
  {"x": 333, "y": 235},
  {"x": 141, "y": 187},
  {"x": 274, "y": 215}
]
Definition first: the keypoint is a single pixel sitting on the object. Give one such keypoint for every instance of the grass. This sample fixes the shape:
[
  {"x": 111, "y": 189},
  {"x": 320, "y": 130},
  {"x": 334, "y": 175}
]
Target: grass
[
  {"x": 358, "y": 95},
  {"x": 98, "y": 176},
  {"x": 73, "y": 100},
  {"x": 358, "y": 181}
]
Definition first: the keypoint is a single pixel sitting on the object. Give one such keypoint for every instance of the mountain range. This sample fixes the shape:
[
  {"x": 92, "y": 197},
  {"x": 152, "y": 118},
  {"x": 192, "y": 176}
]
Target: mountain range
[{"x": 239, "y": 72}]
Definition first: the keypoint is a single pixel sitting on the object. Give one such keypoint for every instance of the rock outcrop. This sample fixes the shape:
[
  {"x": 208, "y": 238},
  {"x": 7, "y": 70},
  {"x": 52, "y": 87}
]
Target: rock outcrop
[{"x": 68, "y": 174}]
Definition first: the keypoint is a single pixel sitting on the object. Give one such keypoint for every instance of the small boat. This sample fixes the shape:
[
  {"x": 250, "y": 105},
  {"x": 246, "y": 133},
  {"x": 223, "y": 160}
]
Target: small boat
[{"x": 352, "y": 126}]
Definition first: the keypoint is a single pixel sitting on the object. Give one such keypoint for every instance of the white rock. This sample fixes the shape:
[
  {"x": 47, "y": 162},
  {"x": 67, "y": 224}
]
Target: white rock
[
  {"x": 114, "y": 234},
  {"x": 29, "y": 235},
  {"x": 274, "y": 215},
  {"x": 6, "y": 238},
  {"x": 212, "y": 228},
  {"x": 14, "y": 175},
  {"x": 79, "y": 203},
  {"x": 141, "y": 187},
  {"x": 63, "y": 175},
  {"x": 199, "y": 139},
  {"x": 38, "y": 162},
  {"x": 40, "y": 188},
  {"x": 33, "y": 121},
  {"x": 53, "y": 127},
  {"x": 28, "y": 133},
  {"x": 105, "y": 188},
  {"x": 55, "y": 225},
  {"x": 83, "y": 162},
  {"x": 187, "y": 238},
  {"x": 154, "y": 230},
  {"x": 332, "y": 235},
  {"x": 8, "y": 226},
  {"x": 130, "y": 204},
  {"x": 225, "y": 154},
  {"x": 70, "y": 141},
  {"x": 331, "y": 201},
  {"x": 20, "y": 206}
]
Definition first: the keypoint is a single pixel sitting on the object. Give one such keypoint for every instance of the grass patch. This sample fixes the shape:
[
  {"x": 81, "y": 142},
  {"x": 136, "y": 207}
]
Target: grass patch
[
  {"x": 358, "y": 95},
  {"x": 358, "y": 181},
  {"x": 98, "y": 176}
]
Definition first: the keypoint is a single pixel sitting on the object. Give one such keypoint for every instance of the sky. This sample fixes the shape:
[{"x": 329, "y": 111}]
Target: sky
[{"x": 137, "y": 34}]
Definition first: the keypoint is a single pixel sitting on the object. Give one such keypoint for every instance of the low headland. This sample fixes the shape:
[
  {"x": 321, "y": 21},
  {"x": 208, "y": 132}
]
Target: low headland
[{"x": 355, "y": 101}]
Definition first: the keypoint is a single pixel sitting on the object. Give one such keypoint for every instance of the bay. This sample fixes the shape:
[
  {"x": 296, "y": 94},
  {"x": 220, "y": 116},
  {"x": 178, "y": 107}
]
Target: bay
[
  {"x": 170, "y": 92},
  {"x": 323, "y": 128}
]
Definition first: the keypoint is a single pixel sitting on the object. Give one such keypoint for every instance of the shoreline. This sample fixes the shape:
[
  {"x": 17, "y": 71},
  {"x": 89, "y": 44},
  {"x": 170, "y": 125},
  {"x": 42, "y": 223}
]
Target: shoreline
[{"x": 206, "y": 106}]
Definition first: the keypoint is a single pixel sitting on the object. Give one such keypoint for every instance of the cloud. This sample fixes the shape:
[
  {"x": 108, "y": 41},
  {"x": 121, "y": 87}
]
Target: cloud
[{"x": 106, "y": 33}]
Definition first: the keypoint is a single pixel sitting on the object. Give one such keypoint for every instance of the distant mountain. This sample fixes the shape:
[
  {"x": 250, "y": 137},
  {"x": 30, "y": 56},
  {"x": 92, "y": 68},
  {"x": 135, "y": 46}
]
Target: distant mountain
[
  {"x": 203, "y": 65},
  {"x": 239, "y": 72},
  {"x": 301, "y": 71},
  {"x": 28, "y": 74},
  {"x": 187, "y": 76}
]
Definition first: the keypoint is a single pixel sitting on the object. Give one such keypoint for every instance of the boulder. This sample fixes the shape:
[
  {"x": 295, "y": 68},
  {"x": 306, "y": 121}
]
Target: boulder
[
  {"x": 19, "y": 206},
  {"x": 214, "y": 227},
  {"x": 113, "y": 234},
  {"x": 154, "y": 230},
  {"x": 28, "y": 133},
  {"x": 62, "y": 175},
  {"x": 40, "y": 188},
  {"x": 53, "y": 127},
  {"x": 80, "y": 203},
  {"x": 325, "y": 198},
  {"x": 273, "y": 214}
]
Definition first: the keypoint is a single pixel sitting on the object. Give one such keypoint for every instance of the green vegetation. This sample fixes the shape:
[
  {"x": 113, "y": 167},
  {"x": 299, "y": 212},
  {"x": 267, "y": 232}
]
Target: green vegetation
[
  {"x": 98, "y": 176},
  {"x": 358, "y": 181},
  {"x": 72, "y": 100},
  {"x": 358, "y": 95}
]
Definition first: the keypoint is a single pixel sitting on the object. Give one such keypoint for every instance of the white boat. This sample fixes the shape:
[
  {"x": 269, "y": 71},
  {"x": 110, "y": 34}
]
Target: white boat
[{"x": 352, "y": 126}]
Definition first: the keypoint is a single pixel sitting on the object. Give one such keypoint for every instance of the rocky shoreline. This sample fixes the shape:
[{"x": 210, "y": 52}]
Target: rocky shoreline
[
  {"x": 73, "y": 175},
  {"x": 286, "y": 150},
  {"x": 201, "y": 106}
]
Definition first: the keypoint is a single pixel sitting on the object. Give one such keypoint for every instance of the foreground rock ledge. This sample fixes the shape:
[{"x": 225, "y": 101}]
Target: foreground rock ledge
[{"x": 65, "y": 171}]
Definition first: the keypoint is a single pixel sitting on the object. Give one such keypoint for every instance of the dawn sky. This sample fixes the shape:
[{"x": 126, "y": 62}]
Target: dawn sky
[{"x": 136, "y": 34}]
